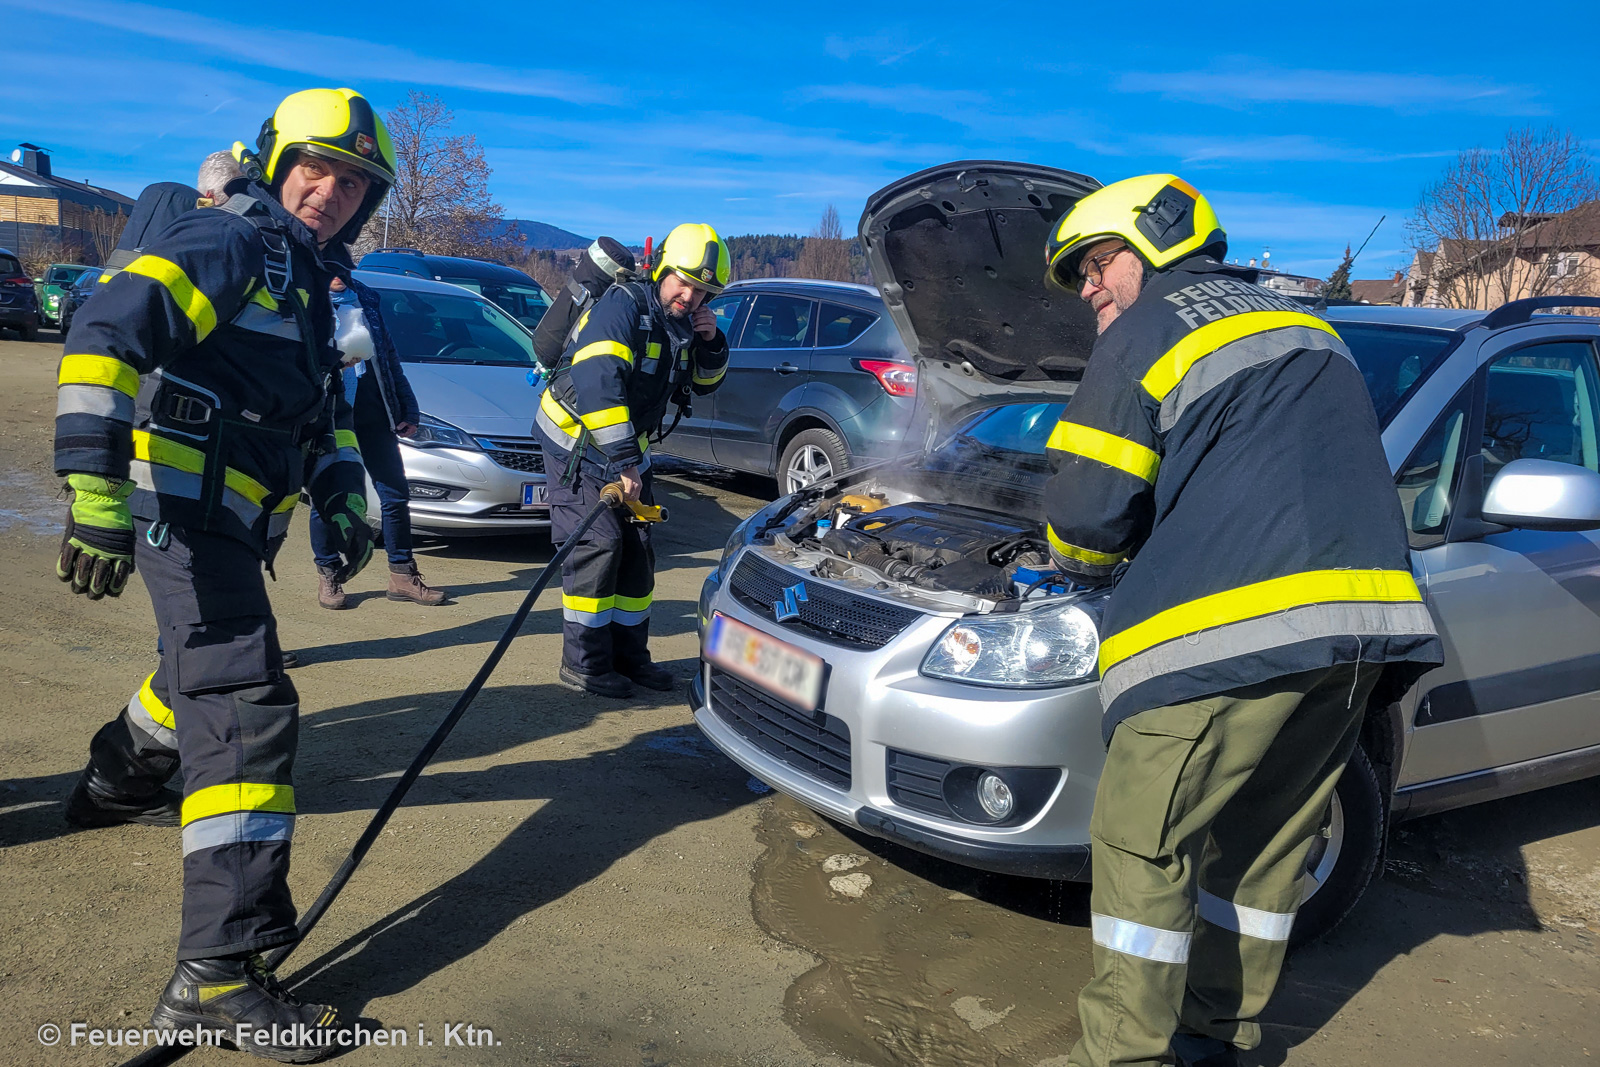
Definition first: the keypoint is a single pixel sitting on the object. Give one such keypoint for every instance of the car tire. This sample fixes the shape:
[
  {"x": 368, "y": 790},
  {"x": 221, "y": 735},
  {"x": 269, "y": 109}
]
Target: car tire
[
  {"x": 28, "y": 333},
  {"x": 1345, "y": 862},
  {"x": 812, "y": 455}
]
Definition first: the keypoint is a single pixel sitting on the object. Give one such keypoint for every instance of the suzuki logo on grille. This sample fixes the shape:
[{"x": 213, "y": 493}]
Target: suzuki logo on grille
[{"x": 789, "y": 607}]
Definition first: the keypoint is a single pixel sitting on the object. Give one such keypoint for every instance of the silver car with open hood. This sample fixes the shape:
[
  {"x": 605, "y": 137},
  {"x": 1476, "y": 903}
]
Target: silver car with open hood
[{"x": 891, "y": 648}]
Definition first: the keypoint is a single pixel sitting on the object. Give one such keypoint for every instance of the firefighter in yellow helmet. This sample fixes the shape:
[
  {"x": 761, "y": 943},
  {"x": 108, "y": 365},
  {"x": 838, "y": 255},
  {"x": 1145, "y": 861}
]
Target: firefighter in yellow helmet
[
  {"x": 1220, "y": 463},
  {"x": 197, "y": 399},
  {"x": 641, "y": 345}
]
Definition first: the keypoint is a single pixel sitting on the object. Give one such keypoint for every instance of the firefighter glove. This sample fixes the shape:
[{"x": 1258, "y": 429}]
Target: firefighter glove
[
  {"x": 97, "y": 549},
  {"x": 347, "y": 514}
]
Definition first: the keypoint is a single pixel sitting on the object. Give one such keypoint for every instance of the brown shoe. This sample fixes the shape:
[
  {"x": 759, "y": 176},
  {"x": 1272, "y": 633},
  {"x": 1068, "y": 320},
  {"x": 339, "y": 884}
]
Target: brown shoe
[
  {"x": 407, "y": 584},
  {"x": 330, "y": 594}
]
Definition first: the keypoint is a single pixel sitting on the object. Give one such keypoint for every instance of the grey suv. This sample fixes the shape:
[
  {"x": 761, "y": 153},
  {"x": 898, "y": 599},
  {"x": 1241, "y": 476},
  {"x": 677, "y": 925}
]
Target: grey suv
[
  {"x": 890, "y": 648},
  {"x": 818, "y": 381}
]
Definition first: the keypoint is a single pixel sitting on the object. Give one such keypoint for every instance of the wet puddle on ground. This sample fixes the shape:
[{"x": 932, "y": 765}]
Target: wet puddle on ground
[
  {"x": 31, "y": 503},
  {"x": 923, "y": 962}
]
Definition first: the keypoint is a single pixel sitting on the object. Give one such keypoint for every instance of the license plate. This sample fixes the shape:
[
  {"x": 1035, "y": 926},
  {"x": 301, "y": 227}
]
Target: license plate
[
  {"x": 776, "y": 666},
  {"x": 533, "y": 494}
]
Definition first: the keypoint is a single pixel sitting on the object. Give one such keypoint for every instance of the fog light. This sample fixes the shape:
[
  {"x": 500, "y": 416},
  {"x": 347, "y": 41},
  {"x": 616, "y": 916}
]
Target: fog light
[
  {"x": 994, "y": 796},
  {"x": 424, "y": 491}
]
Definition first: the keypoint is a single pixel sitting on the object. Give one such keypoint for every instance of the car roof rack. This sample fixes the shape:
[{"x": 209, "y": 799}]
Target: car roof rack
[
  {"x": 408, "y": 251},
  {"x": 1522, "y": 310}
]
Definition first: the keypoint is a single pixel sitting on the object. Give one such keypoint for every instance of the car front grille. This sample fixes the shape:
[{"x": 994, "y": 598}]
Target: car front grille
[
  {"x": 814, "y": 743},
  {"x": 917, "y": 782},
  {"x": 515, "y": 453},
  {"x": 828, "y": 613}
]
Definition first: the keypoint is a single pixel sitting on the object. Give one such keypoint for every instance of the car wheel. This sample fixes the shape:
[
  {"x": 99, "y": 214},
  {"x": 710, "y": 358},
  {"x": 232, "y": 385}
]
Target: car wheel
[
  {"x": 1345, "y": 855},
  {"x": 28, "y": 333},
  {"x": 812, "y": 456}
]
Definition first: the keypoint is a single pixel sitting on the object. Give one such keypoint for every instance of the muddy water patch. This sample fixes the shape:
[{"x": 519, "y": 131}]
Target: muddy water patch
[
  {"x": 921, "y": 962},
  {"x": 31, "y": 503}
]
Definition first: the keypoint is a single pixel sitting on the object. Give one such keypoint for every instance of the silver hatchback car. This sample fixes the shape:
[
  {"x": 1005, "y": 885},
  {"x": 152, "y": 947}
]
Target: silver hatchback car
[
  {"x": 891, "y": 648},
  {"x": 474, "y": 467}
]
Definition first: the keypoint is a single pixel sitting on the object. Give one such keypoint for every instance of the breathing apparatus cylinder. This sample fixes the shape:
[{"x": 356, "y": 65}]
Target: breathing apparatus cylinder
[{"x": 602, "y": 265}]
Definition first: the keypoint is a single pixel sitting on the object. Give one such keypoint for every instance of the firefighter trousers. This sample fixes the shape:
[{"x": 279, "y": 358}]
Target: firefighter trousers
[
  {"x": 220, "y": 705},
  {"x": 1202, "y": 824},
  {"x": 607, "y": 583}
]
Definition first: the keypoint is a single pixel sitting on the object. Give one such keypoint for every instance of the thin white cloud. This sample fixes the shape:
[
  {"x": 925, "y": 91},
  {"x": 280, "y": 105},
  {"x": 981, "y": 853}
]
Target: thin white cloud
[
  {"x": 1202, "y": 150},
  {"x": 1246, "y": 82},
  {"x": 885, "y": 48},
  {"x": 355, "y": 60},
  {"x": 907, "y": 99}
]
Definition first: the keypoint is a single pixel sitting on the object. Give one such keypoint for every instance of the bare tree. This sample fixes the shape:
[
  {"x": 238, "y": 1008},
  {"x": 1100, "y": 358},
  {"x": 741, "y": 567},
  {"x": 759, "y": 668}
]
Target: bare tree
[
  {"x": 105, "y": 229},
  {"x": 44, "y": 246},
  {"x": 825, "y": 254},
  {"x": 440, "y": 201},
  {"x": 1509, "y": 223}
]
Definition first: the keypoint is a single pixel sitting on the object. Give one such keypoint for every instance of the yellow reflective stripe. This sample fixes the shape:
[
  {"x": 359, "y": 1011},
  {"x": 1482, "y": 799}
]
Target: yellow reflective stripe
[
  {"x": 713, "y": 379},
  {"x": 632, "y": 603},
  {"x": 593, "y": 605},
  {"x": 191, "y": 301},
  {"x": 346, "y": 439},
  {"x": 1252, "y": 601},
  {"x": 652, "y": 349},
  {"x": 237, "y": 796},
  {"x": 287, "y": 504},
  {"x": 1169, "y": 370},
  {"x": 558, "y": 414},
  {"x": 1082, "y": 555},
  {"x": 599, "y": 420},
  {"x": 154, "y": 449},
  {"x": 98, "y": 370},
  {"x": 1114, "y": 451},
  {"x": 265, "y": 299},
  {"x": 604, "y": 348},
  {"x": 152, "y": 704},
  {"x": 167, "y": 453},
  {"x": 106, "y": 277}
]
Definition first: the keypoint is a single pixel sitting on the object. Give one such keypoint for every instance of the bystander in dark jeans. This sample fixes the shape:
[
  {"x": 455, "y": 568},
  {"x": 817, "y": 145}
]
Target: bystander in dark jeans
[{"x": 380, "y": 451}]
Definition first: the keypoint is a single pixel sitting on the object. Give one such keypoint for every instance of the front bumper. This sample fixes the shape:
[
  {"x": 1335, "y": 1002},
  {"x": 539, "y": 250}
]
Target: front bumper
[
  {"x": 488, "y": 496},
  {"x": 890, "y": 710}
]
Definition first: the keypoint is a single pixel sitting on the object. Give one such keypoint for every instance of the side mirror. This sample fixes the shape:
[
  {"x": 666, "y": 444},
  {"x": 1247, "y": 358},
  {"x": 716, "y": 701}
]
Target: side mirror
[{"x": 1541, "y": 494}]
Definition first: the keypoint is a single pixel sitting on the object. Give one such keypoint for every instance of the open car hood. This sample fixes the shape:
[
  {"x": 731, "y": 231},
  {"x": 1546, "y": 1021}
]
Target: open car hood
[{"x": 957, "y": 251}]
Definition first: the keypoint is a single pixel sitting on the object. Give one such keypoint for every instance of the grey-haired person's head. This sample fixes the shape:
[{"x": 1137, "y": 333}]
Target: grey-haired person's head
[{"x": 216, "y": 171}]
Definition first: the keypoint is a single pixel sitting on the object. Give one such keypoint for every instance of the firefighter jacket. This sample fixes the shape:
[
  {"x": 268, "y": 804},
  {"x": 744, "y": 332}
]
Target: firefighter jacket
[
  {"x": 206, "y": 372},
  {"x": 1222, "y": 457},
  {"x": 611, "y": 391}
]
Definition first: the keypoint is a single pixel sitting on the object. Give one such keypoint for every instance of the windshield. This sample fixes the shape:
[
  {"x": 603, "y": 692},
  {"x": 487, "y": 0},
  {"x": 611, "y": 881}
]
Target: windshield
[
  {"x": 437, "y": 328},
  {"x": 1394, "y": 360},
  {"x": 1005, "y": 442},
  {"x": 9, "y": 265},
  {"x": 526, "y": 303}
]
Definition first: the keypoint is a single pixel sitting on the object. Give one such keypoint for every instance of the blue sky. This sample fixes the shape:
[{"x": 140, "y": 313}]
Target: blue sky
[{"x": 628, "y": 118}]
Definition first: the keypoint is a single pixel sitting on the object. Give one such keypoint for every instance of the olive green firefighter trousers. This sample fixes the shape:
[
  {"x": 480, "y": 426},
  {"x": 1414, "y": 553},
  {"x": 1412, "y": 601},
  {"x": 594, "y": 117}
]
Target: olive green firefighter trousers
[{"x": 1201, "y": 828}]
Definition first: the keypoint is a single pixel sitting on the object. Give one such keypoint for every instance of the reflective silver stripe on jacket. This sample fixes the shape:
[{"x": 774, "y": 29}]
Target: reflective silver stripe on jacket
[
  {"x": 101, "y": 400},
  {"x": 258, "y": 319},
  {"x": 169, "y": 481},
  {"x": 1251, "y": 922},
  {"x": 1256, "y": 350},
  {"x": 611, "y": 435},
  {"x": 1135, "y": 939},
  {"x": 557, "y": 435},
  {"x": 236, "y": 826},
  {"x": 343, "y": 455},
  {"x": 1352, "y": 620}
]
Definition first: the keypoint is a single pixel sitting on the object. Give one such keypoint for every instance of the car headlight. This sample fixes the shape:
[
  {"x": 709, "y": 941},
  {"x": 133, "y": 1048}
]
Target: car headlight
[
  {"x": 736, "y": 541},
  {"x": 436, "y": 433},
  {"x": 1018, "y": 650}
]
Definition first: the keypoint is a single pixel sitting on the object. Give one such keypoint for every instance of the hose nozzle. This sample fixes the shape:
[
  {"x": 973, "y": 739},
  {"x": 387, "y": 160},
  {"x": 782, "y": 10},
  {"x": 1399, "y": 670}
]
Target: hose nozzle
[{"x": 612, "y": 494}]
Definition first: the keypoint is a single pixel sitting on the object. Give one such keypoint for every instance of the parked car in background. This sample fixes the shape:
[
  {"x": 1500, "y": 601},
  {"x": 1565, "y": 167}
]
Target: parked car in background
[
  {"x": 474, "y": 467},
  {"x": 53, "y": 287},
  {"x": 818, "y": 381},
  {"x": 917, "y": 670},
  {"x": 19, "y": 303},
  {"x": 513, "y": 291},
  {"x": 77, "y": 293}
]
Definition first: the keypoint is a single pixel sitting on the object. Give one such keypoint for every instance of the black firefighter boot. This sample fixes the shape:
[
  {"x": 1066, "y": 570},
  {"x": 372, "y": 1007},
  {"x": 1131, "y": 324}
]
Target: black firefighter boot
[
  {"x": 242, "y": 998},
  {"x": 122, "y": 784}
]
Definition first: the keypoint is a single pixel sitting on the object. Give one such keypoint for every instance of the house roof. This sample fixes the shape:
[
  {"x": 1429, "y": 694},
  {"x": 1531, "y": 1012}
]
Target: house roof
[
  {"x": 1378, "y": 290},
  {"x": 28, "y": 177}
]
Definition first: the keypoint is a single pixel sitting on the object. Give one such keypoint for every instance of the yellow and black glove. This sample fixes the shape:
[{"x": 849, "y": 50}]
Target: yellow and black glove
[
  {"x": 97, "y": 549},
  {"x": 347, "y": 514}
]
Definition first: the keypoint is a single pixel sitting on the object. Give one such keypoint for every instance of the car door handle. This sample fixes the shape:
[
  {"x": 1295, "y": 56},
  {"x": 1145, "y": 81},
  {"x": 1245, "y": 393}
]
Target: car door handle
[{"x": 786, "y": 368}]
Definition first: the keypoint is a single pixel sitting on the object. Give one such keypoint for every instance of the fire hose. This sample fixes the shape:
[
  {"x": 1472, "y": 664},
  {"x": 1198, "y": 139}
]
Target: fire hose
[{"x": 610, "y": 496}]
